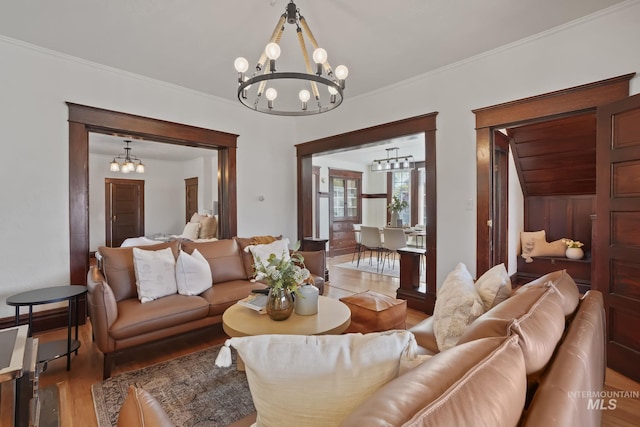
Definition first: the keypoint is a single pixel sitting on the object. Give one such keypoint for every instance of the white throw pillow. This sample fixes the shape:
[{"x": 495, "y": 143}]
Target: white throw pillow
[
  {"x": 262, "y": 252},
  {"x": 155, "y": 273},
  {"x": 494, "y": 286},
  {"x": 193, "y": 273},
  {"x": 457, "y": 305},
  {"x": 316, "y": 381},
  {"x": 191, "y": 231}
]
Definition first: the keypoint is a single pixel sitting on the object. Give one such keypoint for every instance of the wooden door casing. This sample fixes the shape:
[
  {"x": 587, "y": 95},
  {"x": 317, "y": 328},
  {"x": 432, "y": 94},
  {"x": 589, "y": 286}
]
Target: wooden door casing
[
  {"x": 617, "y": 250},
  {"x": 124, "y": 210}
]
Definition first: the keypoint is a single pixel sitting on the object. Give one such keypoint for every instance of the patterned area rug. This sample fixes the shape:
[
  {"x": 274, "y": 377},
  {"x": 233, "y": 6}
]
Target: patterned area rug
[{"x": 191, "y": 389}]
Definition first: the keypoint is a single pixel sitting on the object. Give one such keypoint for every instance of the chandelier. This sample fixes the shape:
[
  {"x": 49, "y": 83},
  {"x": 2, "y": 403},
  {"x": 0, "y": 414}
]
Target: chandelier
[
  {"x": 393, "y": 164},
  {"x": 316, "y": 93},
  {"x": 129, "y": 162}
]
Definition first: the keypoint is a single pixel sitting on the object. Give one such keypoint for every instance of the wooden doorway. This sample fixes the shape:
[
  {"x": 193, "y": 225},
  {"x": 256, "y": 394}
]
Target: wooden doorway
[
  {"x": 190, "y": 197},
  {"x": 370, "y": 136},
  {"x": 618, "y": 231},
  {"x": 548, "y": 106},
  {"x": 84, "y": 119},
  {"x": 124, "y": 210}
]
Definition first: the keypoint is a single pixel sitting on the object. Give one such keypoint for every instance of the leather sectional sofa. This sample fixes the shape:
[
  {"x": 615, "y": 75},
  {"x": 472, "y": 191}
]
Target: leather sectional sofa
[
  {"x": 532, "y": 360},
  {"x": 120, "y": 321}
]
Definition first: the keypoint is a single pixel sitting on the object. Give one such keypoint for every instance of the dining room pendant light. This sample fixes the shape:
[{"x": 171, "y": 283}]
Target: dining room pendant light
[
  {"x": 291, "y": 93},
  {"x": 393, "y": 164}
]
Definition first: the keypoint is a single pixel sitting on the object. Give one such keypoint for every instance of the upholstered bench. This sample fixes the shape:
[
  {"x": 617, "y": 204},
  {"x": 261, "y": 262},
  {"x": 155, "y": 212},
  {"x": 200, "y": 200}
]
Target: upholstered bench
[{"x": 375, "y": 312}]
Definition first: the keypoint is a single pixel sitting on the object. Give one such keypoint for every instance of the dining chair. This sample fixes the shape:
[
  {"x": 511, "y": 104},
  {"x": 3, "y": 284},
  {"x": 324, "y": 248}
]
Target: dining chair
[
  {"x": 358, "y": 238},
  {"x": 394, "y": 239},
  {"x": 370, "y": 240}
]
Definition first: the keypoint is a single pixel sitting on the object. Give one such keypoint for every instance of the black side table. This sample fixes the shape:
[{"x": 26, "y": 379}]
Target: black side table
[{"x": 53, "y": 349}]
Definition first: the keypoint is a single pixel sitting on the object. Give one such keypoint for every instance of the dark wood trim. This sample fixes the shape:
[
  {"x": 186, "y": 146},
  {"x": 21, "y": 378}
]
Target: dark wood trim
[
  {"x": 84, "y": 119},
  {"x": 367, "y": 137},
  {"x": 375, "y": 196},
  {"x": 536, "y": 108},
  {"x": 316, "y": 199}
]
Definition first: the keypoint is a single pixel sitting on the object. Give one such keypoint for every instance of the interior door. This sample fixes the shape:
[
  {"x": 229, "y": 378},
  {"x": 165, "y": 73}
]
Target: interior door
[
  {"x": 617, "y": 257},
  {"x": 124, "y": 205},
  {"x": 500, "y": 208},
  {"x": 191, "y": 197}
]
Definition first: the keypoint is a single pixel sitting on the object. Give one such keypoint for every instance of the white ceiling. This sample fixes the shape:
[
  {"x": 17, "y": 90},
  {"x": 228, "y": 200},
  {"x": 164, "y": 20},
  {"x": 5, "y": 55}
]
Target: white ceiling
[
  {"x": 194, "y": 43},
  {"x": 113, "y": 145}
]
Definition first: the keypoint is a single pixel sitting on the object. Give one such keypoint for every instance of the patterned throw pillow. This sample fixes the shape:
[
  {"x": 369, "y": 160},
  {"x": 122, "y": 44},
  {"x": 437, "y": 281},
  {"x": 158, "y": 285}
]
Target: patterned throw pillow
[
  {"x": 155, "y": 273},
  {"x": 457, "y": 305}
]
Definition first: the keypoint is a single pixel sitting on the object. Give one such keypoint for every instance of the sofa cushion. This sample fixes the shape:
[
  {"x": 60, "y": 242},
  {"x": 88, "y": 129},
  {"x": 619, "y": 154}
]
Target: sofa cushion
[
  {"x": 425, "y": 336},
  {"x": 494, "y": 286},
  {"x": 536, "y": 316},
  {"x": 324, "y": 377},
  {"x": 140, "y": 409},
  {"x": 135, "y": 318},
  {"x": 193, "y": 274},
  {"x": 223, "y": 257},
  {"x": 564, "y": 284},
  {"x": 118, "y": 270},
  {"x": 155, "y": 273},
  {"x": 578, "y": 366},
  {"x": 247, "y": 257},
  {"x": 457, "y": 305},
  {"x": 224, "y": 295},
  {"x": 480, "y": 383}
]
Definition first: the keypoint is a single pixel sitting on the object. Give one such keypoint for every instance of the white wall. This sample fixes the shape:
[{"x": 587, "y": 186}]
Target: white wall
[
  {"x": 163, "y": 196},
  {"x": 34, "y": 215},
  {"x": 600, "y": 47},
  {"x": 516, "y": 216},
  {"x": 33, "y": 119}
]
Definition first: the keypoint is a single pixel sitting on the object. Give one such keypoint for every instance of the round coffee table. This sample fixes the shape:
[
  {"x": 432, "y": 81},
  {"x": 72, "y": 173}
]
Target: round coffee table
[{"x": 333, "y": 318}]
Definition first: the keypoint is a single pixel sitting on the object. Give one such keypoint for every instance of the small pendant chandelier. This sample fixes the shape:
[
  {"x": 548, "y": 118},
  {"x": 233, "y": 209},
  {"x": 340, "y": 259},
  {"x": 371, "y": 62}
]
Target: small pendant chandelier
[
  {"x": 266, "y": 89},
  {"x": 393, "y": 164},
  {"x": 130, "y": 163}
]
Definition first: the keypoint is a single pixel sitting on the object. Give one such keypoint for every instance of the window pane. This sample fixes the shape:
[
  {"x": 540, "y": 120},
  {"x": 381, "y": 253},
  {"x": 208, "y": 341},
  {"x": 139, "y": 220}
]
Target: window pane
[
  {"x": 401, "y": 187},
  {"x": 338, "y": 197}
]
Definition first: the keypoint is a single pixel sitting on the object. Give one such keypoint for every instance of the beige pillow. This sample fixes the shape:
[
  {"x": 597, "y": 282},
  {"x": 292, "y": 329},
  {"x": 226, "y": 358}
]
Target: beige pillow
[
  {"x": 208, "y": 227},
  {"x": 191, "y": 230},
  {"x": 316, "y": 381},
  {"x": 155, "y": 273},
  {"x": 193, "y": 273},
  {"x": 457, "y": 305},
  {"x": 494, "y": 286},
  {"x": 535, "y": 244}
]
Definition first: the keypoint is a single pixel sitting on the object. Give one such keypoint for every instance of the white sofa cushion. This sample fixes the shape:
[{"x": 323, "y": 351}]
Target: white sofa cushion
[{"x": 494, "y": 286}]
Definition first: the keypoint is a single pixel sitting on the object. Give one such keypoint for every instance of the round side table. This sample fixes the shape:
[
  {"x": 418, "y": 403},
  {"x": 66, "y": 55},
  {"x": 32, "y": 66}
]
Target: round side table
[{"x": 53, "y": 349}]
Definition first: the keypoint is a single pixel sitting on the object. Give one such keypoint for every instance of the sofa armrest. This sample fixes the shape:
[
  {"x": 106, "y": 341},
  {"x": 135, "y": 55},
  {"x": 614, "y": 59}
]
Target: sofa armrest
[
  {"x": 103, "y": 309},
  {"x": 316, "y": 262}
]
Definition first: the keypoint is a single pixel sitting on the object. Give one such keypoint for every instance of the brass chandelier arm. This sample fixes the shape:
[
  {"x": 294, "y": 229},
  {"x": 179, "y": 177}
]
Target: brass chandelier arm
[
  {"x": 314, "y": 43},
  {"x": 307, "y": 63},
  {"x": 275, "y": 38}
]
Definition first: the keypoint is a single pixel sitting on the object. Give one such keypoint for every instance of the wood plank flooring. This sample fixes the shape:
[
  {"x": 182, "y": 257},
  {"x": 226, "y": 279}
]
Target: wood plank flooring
[{"x": 76, "y": 404}]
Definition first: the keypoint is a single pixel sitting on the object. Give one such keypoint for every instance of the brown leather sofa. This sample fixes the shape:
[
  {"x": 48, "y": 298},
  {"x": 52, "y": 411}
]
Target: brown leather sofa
[
  {"x": 120, "y": 321},
  {"x": 526, "y": 362}
]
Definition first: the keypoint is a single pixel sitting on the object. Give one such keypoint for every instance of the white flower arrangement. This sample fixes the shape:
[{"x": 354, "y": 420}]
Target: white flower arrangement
[{"x": 281, "y": 272}]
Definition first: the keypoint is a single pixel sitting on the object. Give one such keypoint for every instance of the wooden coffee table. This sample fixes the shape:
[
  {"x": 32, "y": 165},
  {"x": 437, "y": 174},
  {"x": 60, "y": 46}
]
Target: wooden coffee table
[{"x": 333, "y": 318}]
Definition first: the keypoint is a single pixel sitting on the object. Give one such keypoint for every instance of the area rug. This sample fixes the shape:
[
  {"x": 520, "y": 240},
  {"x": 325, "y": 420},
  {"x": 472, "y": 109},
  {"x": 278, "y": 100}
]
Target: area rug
[
  {"x": 392, "y": 269},
  {"x": 191, "y": 389}
]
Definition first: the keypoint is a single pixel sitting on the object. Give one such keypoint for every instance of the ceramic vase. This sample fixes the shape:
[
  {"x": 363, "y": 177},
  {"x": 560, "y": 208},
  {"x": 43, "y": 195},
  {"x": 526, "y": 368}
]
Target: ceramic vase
[
  {"x": 574, "y": 253},
  {"x": 394, "y": 219},
  {"x": 306, "y": 300},
  {"x": 279, "y": 304}
]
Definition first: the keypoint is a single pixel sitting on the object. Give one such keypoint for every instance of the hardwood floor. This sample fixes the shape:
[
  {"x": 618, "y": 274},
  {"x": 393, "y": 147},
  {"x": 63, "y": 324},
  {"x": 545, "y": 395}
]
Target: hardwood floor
[{"x": 74, "y": 387}]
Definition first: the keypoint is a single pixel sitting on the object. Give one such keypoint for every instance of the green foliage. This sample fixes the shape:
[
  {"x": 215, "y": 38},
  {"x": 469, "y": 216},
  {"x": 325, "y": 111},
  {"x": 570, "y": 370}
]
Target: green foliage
[{"x": 397, "y": 205}]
